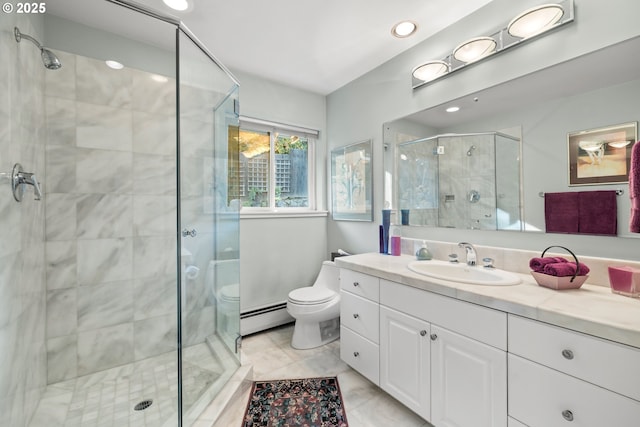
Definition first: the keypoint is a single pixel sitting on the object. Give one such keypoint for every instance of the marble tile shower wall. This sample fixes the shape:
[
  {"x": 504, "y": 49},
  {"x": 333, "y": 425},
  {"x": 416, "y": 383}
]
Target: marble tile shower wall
[
  {"x": 22, "y": 272},
  {"x": 460, "y": 173},
  {"x": 110, "y": 217},
  {"x": 418, "y": 181}
]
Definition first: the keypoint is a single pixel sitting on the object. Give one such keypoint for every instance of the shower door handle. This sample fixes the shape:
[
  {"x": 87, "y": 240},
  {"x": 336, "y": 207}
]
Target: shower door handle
[{"x": 189, "y": 233}]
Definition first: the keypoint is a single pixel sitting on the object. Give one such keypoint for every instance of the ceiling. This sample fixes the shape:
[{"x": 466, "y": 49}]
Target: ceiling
[{"x": 314, "y": 45}]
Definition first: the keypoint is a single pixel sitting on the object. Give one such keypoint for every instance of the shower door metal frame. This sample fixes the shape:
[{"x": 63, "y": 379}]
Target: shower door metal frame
[{"x": 180, "y": 27}]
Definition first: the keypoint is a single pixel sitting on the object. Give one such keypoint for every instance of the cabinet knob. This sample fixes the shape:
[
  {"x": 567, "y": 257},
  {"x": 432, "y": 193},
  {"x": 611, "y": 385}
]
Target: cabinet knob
[
  {"x": 356, "y": 315},
  {"x": 567, "y": 415},
  {"x": 567, "y": 354},
  {"x": 423, "y": 333},
  {"x": 356, "y": 283},
  {"x": 356, "y": 354},
  {"x": 434, "y": 337}
]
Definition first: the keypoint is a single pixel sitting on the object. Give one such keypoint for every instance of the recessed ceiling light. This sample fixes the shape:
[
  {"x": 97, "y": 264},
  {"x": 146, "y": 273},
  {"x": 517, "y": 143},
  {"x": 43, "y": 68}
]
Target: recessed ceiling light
[
  {"x": 404, "y": 29},
  {"x": 114, "y": 64},
  {"x": 474, "y": 49},
  {"x": 180, "y": 5},
  {"x": 430, "y": 70},
  {"x": 535, "y": 20},
  {"x": 452, "y": 109}
]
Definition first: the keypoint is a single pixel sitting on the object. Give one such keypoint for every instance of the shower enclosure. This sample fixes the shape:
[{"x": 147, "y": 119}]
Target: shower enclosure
[
  {"x": 467, "y": 181},
  {"x": 119, "y": 287}
]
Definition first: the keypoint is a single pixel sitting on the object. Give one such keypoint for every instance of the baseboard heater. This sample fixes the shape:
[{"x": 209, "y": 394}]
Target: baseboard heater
[{"x": 262, "y": 318}]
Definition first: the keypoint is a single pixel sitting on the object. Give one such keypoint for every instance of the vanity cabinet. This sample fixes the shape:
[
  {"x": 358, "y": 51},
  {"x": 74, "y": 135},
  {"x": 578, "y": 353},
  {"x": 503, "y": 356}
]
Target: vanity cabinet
[
  {"x": 457, "y": 362},
  {"x": 359, "y": 323},
  {"x": 559, "y": 377},
  {"x": 431, "y": 360}
]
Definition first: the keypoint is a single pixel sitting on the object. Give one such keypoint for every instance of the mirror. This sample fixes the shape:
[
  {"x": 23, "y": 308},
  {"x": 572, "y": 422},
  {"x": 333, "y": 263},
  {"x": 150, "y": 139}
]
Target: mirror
[
  {"x": 458, "y": 180},
  {"x": 542, "y": 108}
]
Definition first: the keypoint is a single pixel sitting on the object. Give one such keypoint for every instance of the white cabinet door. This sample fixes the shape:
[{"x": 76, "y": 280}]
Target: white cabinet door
[
  {"x": 468, "y": 382},
  {"x": 405, "y": 360}
]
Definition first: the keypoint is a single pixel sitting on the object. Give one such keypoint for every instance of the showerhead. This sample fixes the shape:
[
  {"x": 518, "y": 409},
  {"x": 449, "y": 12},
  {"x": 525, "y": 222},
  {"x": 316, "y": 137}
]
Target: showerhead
[{"x": 50, "y": 60}]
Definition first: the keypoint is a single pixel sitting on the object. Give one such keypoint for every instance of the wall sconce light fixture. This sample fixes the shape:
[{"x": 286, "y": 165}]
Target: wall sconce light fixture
[{"x": 527, "y": 25}]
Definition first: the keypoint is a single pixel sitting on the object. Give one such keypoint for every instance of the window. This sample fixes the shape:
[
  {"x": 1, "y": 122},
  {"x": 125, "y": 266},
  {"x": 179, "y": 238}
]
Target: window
[{"x": 275, "y": 166}]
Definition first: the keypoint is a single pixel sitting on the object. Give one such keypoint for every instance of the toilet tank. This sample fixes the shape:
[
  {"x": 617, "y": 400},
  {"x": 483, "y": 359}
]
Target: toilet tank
[
  {"x": 223, "y": 272},
  {"x": 329, "y": 276}
]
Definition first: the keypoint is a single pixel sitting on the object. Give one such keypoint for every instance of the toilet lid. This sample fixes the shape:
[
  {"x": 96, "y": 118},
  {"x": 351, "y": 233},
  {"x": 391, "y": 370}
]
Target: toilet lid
[
  {"x": 230, "y": 292},
  {"x": 311, "y": 295}
]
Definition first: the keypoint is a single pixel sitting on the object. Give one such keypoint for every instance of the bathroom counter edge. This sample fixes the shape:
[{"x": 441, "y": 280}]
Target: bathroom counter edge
[{"x": 593, "y": 310}]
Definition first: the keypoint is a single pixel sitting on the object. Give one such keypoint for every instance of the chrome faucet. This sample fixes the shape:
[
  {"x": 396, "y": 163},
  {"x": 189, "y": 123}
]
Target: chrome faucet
[{"x": 471, "y": 252}]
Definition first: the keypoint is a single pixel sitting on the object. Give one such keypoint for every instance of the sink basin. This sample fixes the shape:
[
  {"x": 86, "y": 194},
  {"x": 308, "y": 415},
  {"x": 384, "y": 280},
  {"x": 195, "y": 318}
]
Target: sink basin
[{"x": 463, "y": 273}]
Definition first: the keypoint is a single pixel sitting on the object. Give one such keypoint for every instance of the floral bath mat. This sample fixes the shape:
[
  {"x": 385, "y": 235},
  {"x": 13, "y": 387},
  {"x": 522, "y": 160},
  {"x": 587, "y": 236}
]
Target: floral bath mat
[{"x": 308, "y": 402}]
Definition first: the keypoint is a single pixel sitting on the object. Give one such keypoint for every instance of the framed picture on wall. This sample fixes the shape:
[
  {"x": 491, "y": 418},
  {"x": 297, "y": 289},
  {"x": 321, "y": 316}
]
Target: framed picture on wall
[
  {"x": 601, "y": 156},
  {"x": 351, "y": 182}
]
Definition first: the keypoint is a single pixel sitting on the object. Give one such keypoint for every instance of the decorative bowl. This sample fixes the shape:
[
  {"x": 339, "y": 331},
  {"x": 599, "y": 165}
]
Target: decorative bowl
[{"x": 559, "y": 282}]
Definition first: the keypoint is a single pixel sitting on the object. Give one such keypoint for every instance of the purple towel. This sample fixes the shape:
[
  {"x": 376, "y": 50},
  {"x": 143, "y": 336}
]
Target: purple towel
[
  {"x": 562, "y": 269},
  {"x": 537, "y": 264},
  {"x": 598, "y": 212},
  {"x": 634, "y": 221},
  {"x": 561, "y": 212},
  {"x": 634, "y": 188}
]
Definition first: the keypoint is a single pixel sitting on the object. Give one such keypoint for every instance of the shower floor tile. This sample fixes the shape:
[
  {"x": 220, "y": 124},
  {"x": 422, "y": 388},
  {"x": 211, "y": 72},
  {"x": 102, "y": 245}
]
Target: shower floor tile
[{"x": 108, "y": 398}]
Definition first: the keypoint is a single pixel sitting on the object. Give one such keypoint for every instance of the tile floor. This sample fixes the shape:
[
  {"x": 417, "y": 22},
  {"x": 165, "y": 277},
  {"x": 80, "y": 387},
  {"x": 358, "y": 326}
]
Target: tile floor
[
  {"x": 107, "y": 398},
  {"x": 272, "y": 357}
]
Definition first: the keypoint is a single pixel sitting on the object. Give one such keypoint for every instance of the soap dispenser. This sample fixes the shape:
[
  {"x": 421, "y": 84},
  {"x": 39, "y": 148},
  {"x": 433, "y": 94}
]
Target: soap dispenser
[{"x": 423, "y": 253}]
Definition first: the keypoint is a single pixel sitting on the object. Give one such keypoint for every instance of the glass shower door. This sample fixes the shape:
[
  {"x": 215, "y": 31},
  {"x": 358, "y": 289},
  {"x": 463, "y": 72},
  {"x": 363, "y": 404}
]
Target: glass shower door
[
  {"x": 209, "y": 227},
  {"x": 226, "y": 214}
]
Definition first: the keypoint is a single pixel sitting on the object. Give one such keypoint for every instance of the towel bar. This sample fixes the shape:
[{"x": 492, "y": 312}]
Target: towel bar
[{"x": 618, "y": 193}]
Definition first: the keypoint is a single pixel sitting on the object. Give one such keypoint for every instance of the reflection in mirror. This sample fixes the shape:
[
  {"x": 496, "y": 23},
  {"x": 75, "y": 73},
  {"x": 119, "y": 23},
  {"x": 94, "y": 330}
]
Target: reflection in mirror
[
  {"x": 460, "y": 181},
  {"x": 547, "y": 105}
]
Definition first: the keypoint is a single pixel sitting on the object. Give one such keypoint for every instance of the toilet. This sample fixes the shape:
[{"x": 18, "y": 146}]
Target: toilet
[
  {"x": 222, "y": 277},
  {"x": 316, "y": 309}
]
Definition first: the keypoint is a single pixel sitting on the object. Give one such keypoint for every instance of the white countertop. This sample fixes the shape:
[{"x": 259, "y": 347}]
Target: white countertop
[{"x": 593, "y": 310}]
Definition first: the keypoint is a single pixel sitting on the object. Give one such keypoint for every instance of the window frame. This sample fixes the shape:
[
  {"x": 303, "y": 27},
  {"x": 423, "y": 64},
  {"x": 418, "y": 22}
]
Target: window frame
[{"x": 273, "y": 128}]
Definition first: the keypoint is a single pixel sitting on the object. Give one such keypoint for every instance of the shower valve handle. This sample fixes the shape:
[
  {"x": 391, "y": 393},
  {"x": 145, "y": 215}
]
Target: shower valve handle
[{"x": 19, "y": 179}]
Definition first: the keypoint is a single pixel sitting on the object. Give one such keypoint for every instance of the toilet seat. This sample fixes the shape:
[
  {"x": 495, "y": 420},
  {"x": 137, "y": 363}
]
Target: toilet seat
[
  {"x": 311, "y": 295},
  {"x": 230, "y": 293}
]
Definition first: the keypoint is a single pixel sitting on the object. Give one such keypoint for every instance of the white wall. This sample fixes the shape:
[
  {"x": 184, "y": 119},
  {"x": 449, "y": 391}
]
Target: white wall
[
  {"x": 279, "y": 254},
  {"x": 358, "y": 110}
]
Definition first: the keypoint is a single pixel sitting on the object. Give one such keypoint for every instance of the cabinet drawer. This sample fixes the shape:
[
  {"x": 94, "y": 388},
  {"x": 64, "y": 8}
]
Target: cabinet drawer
[
  {"x": 360, "y": 284},
  {"x": 605, "y": 363},
  {"x": 360, "y": 315},
  {"x": 543, "y": 397},
  {"x": 480, "y": 323},
  {"x": 361, "y": 354}
]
